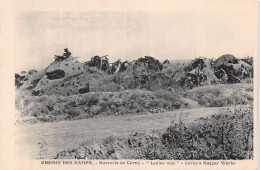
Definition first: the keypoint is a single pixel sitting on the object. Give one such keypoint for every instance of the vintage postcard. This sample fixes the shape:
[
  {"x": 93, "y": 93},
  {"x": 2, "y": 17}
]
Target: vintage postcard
[{"x": 147, "y": 84}]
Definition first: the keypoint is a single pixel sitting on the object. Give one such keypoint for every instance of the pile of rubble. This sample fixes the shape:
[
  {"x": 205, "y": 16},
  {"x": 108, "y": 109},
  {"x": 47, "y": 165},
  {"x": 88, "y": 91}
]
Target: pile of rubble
[
  {"x": 229, "y": 69},
  {"x": 198, "y": 72},
  {"x": 145, "y": 68},
  {"x": 226, "y": 69},
  {"x": 100, "y": 63},
  {"x": 249, "y": 60},
  {"x": 24, "y": 77},
  {"x": 166, "y": 62},
  {"x": 144, "y": 73},
  {"x": 65, "y": 55},
  {"x": 119, "y": 66}
]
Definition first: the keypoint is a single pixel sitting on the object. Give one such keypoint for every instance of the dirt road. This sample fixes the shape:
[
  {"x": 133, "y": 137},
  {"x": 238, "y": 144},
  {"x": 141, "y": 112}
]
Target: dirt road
[{"x": 68, "y": 134}]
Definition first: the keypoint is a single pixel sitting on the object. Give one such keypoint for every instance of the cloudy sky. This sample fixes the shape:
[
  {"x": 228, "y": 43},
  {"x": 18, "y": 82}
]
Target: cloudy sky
[{"x": 184, "y": 31}]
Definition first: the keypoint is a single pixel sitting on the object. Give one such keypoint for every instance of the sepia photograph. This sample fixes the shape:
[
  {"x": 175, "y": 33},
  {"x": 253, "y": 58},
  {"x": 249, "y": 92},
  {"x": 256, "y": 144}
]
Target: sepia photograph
[{"x": 155, "y": 81}]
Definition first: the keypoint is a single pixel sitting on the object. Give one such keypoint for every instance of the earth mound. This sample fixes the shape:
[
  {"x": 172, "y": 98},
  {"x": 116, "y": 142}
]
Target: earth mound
[{"x": 48, "y": 108}]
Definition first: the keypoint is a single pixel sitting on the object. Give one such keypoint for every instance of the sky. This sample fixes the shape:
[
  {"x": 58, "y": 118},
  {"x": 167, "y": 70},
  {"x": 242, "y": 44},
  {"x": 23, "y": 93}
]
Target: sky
[{"x": 181, "y": 31}]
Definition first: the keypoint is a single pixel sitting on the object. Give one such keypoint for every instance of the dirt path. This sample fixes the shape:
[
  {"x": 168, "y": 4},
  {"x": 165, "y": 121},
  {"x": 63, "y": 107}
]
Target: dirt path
[{"x": 68, "y": 134}]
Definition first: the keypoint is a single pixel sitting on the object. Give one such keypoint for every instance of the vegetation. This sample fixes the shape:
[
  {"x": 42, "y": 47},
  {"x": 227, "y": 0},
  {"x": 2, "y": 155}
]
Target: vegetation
[
  {"x": 56, "y": 108},
  {"x": 228, "y": 136},
  {"x": 221, "y": 95}
]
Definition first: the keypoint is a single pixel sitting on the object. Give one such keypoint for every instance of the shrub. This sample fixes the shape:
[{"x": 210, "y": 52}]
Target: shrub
[
  {"x": 73, "y": 112},
  {"x": 217, "y": 96},
  {"x": 93, "y": 100},
  {"x": 171, "y": 99},
  {"x": 226, "y": 136}
]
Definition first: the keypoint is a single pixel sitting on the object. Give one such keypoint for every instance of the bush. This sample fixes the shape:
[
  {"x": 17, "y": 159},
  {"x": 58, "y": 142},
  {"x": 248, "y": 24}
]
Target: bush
[
  {"x": 73, "y": 112},
  {"x": 227, "y": 136},
  {"x": 219, "y": 96},
  {"x": 93, "y": 100},
  {"x": 168, "y": 99}
]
